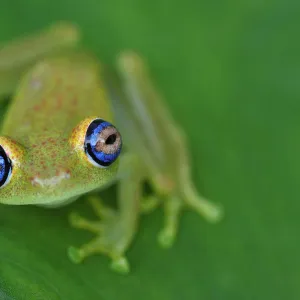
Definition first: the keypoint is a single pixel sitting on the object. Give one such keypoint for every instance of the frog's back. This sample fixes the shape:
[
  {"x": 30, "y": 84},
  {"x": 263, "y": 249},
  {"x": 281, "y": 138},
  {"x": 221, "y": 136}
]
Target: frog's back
[{"x": 55, "y": 95}]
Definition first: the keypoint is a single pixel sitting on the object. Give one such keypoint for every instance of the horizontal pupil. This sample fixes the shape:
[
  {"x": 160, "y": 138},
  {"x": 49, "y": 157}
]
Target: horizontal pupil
[{"x": 111, "y": 139}]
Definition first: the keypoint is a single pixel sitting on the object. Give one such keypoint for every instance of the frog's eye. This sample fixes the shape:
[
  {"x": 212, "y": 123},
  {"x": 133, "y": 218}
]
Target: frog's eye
[
  {"x": 5, "y": 168},
  {"x": 102, "y": 143}
]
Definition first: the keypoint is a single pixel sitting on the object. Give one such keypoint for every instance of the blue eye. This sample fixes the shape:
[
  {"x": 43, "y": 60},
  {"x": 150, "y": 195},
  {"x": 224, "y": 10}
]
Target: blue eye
[
  {"x": 5, "y": 168},
  {"x": 103, "y": 143}
]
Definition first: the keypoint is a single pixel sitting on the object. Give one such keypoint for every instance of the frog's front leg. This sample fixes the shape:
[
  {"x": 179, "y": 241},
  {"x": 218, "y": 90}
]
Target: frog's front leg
[{"x": 116, "y": 228}]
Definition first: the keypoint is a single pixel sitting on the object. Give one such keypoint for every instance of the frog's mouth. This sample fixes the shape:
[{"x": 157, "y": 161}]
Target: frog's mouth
[{"x": 59, "y": 203}]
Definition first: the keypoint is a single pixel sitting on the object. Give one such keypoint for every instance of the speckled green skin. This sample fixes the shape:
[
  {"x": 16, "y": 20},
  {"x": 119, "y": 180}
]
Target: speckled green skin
[{"x": 46, "y": 134}]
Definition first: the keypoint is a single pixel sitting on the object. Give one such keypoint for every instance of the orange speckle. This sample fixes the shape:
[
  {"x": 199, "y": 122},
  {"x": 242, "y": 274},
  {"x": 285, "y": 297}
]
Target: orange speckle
[
  {"x": 59, "y": 102},
  {"x": 59, "y": 80}
]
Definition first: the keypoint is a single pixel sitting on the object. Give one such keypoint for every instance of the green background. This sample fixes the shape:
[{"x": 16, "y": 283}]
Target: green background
[{"x": 229, "y": 71}]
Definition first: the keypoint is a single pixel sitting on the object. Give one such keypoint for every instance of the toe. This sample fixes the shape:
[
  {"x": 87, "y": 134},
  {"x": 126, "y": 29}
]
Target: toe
[{"x": 120, "y": 265}]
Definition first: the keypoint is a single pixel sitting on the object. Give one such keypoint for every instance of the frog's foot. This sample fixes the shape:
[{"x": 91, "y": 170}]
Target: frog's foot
[
  {"x": 149, "y": 204},
  {"x": 111, "y": 237},
  {"x": 173, "y": 207}
]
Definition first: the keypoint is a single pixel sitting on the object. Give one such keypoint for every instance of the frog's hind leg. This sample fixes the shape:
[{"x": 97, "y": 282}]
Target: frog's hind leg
[
  {"x": 170, "y": 179},
  {"x": 184, "y": 195},
  {"x": 173, "y": 207},
  {"x": 116, "y": 228}
]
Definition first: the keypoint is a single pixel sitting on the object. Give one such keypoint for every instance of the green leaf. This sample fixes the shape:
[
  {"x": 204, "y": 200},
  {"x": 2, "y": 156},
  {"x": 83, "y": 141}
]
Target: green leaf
[{"x": 229, "y": 71}]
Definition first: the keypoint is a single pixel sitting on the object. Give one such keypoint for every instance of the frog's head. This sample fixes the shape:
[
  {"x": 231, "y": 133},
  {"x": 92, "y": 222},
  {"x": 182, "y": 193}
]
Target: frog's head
[{"x": 56, "y": 168}]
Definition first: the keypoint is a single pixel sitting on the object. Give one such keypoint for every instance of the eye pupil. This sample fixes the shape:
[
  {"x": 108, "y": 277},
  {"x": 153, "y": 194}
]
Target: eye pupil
[{"x": 111, "y": 139}]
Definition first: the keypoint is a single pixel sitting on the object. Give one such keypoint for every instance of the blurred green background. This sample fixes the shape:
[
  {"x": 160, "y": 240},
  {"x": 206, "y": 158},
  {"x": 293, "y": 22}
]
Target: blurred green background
[{"x": 229, "y": 71}]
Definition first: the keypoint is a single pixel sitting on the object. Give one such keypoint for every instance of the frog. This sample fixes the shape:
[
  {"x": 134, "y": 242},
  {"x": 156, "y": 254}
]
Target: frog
[{"x": 70, "y": 132}]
